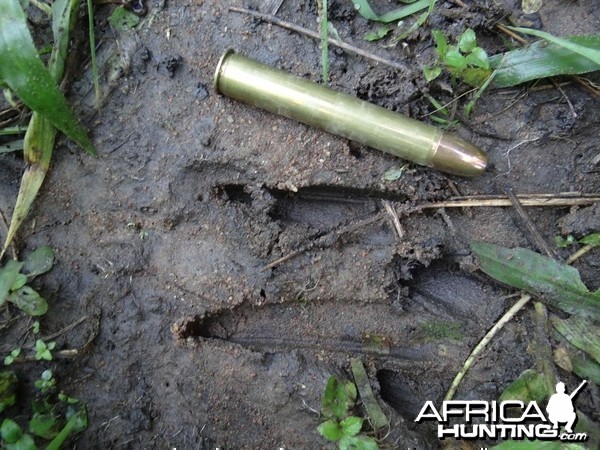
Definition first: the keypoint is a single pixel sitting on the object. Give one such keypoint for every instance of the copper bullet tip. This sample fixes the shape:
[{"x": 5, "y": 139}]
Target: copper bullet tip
[{"x": 459, "y": 157}]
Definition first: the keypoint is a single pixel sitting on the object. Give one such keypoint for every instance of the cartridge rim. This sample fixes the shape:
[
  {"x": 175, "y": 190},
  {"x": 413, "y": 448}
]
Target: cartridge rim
[{"x": 224, "y": 56}]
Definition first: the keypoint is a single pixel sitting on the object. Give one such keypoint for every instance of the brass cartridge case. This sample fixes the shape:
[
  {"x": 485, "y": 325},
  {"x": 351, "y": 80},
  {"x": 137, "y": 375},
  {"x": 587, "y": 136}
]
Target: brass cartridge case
[{"x": 252, "y": 82}]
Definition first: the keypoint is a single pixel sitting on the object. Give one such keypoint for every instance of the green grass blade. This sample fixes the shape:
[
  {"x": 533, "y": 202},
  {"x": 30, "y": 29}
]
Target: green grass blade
[
  {"x": 558, "y": 284},
  {"x": 324, "y": 43},
  {"x": 364, "y": 9},
  {"x": 63, "y": 19},
  {"x": 589, "y": 51},
  {"x": 420, "y": 21},
  {"x": 92, "y": 38},
  {"x": 375, "y": 414},
  {"x": 38, "y": 145},
  {"x": 542, "y": 59},
  {"x": 29, "y": 79}
]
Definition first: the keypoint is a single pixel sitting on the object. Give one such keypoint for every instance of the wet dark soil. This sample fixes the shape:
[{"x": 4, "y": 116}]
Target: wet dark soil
[{"x": 162, "y": 239}]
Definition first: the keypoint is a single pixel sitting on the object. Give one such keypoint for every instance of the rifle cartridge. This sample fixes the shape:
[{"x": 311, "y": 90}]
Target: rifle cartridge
[{"x": 252, "y": 82}]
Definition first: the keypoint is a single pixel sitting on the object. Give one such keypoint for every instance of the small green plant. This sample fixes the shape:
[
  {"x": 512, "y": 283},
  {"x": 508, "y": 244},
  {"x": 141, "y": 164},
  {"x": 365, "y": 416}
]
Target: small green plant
[
  {"x": 13, "y": 436},
  {"x": 561, "y": 242},
  {"x": 10, "y": 358},
  {"x": 55, "y": 417},
  {"x": 465, "y": 60},
  {"x": 14, "y": 279},
  {"x": 43, "y": 350},
  {"x": 340, "y": 425},
  {"x": 46, "y": 382}
]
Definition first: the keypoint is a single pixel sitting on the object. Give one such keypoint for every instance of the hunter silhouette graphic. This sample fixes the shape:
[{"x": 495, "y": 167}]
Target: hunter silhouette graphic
[{"x": 560, "y": 407}]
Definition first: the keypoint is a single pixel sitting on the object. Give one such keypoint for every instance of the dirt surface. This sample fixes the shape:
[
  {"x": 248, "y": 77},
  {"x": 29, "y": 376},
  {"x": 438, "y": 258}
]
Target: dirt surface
[{"x": 160, "y": 240}]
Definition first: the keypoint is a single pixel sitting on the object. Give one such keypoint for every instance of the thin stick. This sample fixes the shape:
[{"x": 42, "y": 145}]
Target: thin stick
[
  {"x": 586, "y": 86},
  {"x": 483, "y": 343},
  {"x": 313, "y": 34},
  {"x": 502, "y": 202},
  {"x": 535, "y": 234},
  {"x": 326, "y": 239},
  {"x": 516, "y": 37},
  {"x": 65, "y": 329},
  {"x": 566, "y": 98},
  {"x": 395, "y": 220},
  {"x": 68, "y": 353}
]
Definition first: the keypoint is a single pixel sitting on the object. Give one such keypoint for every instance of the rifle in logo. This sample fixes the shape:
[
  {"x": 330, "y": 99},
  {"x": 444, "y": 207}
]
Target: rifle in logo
[{"x": 560, "y": 407}]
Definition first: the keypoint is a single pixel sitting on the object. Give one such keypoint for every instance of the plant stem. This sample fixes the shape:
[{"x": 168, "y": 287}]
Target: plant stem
[
  {"x": 61, "y": 437},
  {"x": 482, "y": 344},
  {"x": 324, "y": 43},
  {"x": 92, "y": 38}
]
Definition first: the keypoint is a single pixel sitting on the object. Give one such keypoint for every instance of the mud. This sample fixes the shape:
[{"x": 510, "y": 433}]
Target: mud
[{"x": 163, "y": 239}]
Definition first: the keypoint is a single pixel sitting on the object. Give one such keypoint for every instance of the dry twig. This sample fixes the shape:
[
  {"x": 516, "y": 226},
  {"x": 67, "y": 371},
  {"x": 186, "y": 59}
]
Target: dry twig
[
  {"x": 313, "y": 34},
  {"x": 531, "y": 227}
]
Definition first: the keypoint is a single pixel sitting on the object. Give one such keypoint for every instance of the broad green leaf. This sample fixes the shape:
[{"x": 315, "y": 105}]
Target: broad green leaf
[
  {"x": 8, "y": 389},
  {"x": 530, "y": 386},
  {"x": 358, "y": 443},
  {"x": 558, "y": 284},
  {"x": 467, "y": 41},
  {"x": 573, "y": 360},
  {"x": 38, "y": 262},
  {"x": 431, "y": 73},
  {"x": 590, "y": 52},
  {"x": 592, "y": 239},
  {"x": 478, "y": 58},
  {"x": 351, "y": 426},
  {"x": 364, "y": 9},
  {"x": 338, "y": 398},
  {"x": 393, "y": 174},
  {"x": 25, "y": 442},
  {"x": 122, "y": 19},
  {"x": 10, "y": 431},
  {"x": 29, "y": 301},
  {"x": 330, "y": 430},
  {"x": 20, "y": 281},
  {"x": 441, "y": 44},
  {"x": 453, "y": 58},
  {"x": 8, "y": 275},
  {"x": 375, "y": 414},
  {"x": 581, "y": 332},
  {"x": 379, "y": 34},
  {"x": 44, "y": 425},
  {"x": 29, "y": 79},
  {"x": 542, "y": 59},
  {"x": 475, "y": 76}
]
